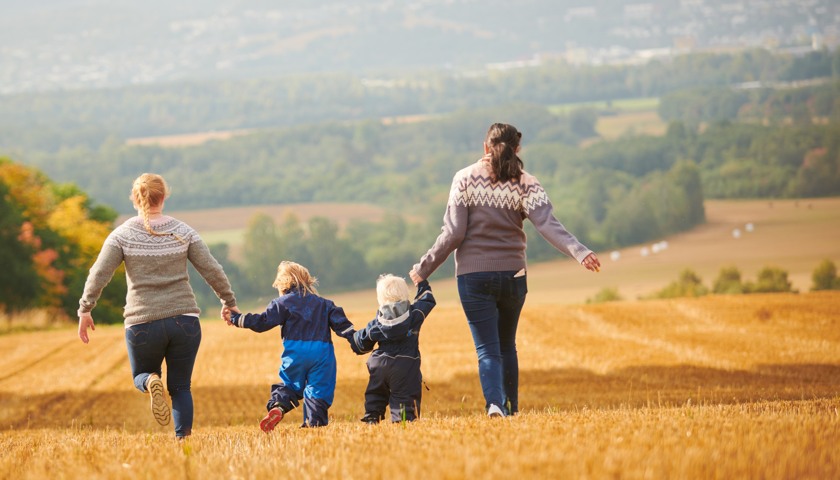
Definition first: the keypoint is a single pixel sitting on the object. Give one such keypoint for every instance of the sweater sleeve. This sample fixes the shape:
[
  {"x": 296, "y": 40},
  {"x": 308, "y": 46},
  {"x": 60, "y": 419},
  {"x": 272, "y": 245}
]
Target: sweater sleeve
[
  {"x": 110, "y": 257},
  {"x": 210, "y": 270},
  {"x": 452, "y": 233},
  {"x": 540, "y": 212}
]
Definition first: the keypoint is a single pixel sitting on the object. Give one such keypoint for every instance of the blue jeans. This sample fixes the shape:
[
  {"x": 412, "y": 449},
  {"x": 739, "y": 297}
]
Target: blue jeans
[
  {"x": 492, "y": 302},
  {"x": 175, "y": 340}
]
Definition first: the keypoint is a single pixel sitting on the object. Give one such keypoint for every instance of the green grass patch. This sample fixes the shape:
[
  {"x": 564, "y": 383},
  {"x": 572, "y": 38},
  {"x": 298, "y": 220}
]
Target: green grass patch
[{"x": 624, "y": 105}]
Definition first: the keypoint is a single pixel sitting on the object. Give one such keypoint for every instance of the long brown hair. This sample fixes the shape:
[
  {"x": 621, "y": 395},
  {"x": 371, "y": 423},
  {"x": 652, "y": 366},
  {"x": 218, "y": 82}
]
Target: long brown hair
[
  {"x": 502, "y": 141},
  {"x": 148, "y": 191}
]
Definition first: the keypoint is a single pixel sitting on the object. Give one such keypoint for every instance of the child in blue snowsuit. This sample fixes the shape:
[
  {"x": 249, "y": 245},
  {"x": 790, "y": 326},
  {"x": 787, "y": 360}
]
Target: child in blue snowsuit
[
  {"x": 394, "y": 367},
  {"x": 308, "y": 366}
]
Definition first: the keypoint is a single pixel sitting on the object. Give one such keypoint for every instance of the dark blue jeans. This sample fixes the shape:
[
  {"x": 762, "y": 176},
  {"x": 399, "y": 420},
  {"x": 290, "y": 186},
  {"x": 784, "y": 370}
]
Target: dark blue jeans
[
  {"x": 492, "y": 302},
  {"x": 175, "y": 340}
]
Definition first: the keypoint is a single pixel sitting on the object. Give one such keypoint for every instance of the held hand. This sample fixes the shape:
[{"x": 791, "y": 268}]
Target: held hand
[
  {"x": 226, "y": 314},
  {"x": 592, "y": 263},
  {"x": 415, "y": 277},
  {"x": 85, "y": 321}
]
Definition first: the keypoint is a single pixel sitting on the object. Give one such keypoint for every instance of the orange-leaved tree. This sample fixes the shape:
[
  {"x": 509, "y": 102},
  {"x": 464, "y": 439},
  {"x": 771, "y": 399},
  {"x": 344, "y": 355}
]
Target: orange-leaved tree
[{"x": 57, "y": 234}]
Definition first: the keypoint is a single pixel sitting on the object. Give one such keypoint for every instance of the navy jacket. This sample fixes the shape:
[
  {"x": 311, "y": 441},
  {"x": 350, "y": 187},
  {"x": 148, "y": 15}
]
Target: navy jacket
[{"x": 396, "y": 327}]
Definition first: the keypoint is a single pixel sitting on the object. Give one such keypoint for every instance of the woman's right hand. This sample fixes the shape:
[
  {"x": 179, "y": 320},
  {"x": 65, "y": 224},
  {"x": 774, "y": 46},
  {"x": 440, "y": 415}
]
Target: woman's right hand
[
  {"x": 416, "y": 278},
  {"x": 592, "y": 263},
  {"x": 85, "y": 321}
]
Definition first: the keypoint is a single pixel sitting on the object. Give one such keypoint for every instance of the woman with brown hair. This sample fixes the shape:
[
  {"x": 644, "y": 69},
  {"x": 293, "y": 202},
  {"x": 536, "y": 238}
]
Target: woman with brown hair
[
  {"x": 488, "y": 202},
  {"x": 161, "y": 313}
]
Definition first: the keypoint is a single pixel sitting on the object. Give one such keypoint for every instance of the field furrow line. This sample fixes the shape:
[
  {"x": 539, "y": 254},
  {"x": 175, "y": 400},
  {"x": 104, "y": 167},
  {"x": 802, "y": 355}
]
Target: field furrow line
[
  {"x": 17, "y": 371},
  {"x": 684, "y": 353},
  {"x": 118, "y": 364}
]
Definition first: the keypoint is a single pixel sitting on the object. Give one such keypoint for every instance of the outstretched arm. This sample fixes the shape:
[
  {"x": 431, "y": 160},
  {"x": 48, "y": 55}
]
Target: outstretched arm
[
  {"x": 110, "y": 257},
  {"x": 537, "y": 207},
  {"x": 340, "y": 324},
  {"x": 452, "y": 233},
  {"x": 363, "y": 340},
  {"x": 275, "y": 315},
  {"x": 210, "y": 270},
  {"x": 423, "y": 304}
]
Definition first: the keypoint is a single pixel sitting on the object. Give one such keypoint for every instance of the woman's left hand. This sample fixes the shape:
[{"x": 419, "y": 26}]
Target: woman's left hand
[{"x": 592, "y": 263}]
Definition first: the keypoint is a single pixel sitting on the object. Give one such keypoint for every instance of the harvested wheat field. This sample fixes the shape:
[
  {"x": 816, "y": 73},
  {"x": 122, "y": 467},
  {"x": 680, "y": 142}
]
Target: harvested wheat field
[{"x": 716, "y": 387}]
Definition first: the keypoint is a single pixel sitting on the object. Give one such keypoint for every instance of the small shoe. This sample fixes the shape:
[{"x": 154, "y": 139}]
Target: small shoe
[
  {"x": 371, "y": 419},
  {"x": 494, "y": 411},
  {"x": 271, "y": 420},
  {"x": 160, "y": 409}
]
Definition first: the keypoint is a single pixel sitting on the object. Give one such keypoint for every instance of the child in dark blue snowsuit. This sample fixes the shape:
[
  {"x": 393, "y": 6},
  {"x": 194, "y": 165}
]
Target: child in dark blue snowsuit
[
  {"x": 308, "y": 366},
  {"x": 394, "y": 367}
]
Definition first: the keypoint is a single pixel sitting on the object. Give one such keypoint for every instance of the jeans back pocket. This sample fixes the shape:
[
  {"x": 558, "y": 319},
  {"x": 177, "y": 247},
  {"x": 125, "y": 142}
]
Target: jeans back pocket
[
  {"x": 138, "y": 335},
  {"x": 189, "y": 325}
]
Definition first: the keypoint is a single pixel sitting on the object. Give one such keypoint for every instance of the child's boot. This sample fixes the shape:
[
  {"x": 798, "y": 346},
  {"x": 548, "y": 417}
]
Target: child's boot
[{"x": 271, "y": 420}]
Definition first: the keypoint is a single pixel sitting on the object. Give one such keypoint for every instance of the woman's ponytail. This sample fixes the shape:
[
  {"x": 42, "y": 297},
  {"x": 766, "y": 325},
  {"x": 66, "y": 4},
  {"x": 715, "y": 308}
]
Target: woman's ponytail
[{"x": 502, "y": 142}]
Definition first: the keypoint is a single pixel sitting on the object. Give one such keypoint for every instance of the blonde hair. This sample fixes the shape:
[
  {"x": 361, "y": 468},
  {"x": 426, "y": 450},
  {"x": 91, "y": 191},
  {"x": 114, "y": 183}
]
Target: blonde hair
[
  {"x": 391, "y": 289},
  {"x": 149, "y": 190},
  {"x": 293, "y": 275}
]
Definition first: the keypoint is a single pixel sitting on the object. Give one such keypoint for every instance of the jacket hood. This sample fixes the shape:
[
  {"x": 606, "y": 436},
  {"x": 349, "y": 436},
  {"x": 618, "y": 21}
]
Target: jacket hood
[{"x": 393, "y": 318}]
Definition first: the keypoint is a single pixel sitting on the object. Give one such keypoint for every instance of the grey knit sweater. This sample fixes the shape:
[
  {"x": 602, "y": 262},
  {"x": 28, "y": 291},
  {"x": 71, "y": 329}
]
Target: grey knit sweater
[
  {"x": 483, "y": 224},
  {"x": 156, "y": 270}
]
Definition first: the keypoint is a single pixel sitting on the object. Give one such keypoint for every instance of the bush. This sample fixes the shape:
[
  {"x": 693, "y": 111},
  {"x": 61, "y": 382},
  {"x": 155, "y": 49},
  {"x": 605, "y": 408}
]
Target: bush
[
  {"x": 728, "y": 281},
  {"x": 688, "y": 285},
  {"x": 607, "y": 294},
  {"x": 825, "y": 277},
  {"x": 771, "y": 279}
]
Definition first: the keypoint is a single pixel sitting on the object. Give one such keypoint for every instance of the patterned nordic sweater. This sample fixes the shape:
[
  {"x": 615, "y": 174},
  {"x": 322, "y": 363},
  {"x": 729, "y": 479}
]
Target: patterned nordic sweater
[
  {"x": 156, "y": 270},
  {"x": 483, "y": 224}
]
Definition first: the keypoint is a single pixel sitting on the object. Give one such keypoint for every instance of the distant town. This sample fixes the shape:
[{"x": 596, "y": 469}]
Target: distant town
[{"x": 48, "y": 47}]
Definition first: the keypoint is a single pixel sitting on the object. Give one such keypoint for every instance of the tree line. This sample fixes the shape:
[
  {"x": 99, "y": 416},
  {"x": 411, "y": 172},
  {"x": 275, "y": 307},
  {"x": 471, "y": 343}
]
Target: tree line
[
  {"x": 58, "y": 120},
  {"x": 768, "y": 104}
]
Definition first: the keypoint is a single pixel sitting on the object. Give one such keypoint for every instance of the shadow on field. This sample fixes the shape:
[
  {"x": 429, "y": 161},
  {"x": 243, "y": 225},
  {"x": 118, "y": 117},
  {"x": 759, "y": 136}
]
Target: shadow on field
[
  {"x": 565, "y": 389},
  {"x": 646, "y": 386}
]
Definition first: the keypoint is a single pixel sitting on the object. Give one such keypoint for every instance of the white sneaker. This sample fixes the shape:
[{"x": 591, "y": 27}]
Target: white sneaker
[{"x": 494, "y": 411}]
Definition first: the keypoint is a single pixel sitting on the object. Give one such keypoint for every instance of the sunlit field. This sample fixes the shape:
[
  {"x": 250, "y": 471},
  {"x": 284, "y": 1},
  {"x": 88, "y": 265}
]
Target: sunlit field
[
  {"x": 643, "y": 122},
  {"x": 187, "y": 139},
  {"x": 716, "y": 387},
  {"x": 626, "y": 105}
]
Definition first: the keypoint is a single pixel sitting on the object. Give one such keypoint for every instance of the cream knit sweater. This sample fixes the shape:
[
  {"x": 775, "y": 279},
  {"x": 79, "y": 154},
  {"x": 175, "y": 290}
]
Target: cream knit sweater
[{"x": 156, "y": 270}]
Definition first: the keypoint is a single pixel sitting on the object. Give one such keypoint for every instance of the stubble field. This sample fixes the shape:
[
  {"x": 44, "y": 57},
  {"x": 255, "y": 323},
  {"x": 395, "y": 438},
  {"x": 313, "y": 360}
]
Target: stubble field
[
  {"x": 716, "y": 387},
  {"x": 743, "y": 386}
]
